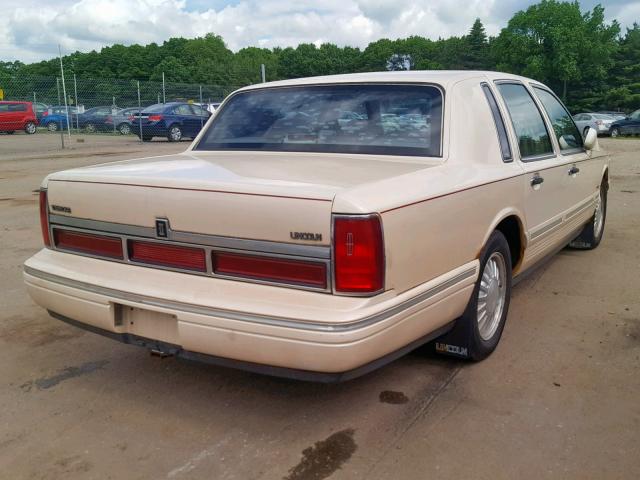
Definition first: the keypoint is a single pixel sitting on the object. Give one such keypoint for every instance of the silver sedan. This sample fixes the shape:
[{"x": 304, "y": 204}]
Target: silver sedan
[{"x": 600, "y": 122}]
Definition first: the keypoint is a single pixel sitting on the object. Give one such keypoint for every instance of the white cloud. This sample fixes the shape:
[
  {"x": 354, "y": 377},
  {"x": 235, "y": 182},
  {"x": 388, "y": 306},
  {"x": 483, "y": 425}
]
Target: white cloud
[{"x": 30, "y": 30}]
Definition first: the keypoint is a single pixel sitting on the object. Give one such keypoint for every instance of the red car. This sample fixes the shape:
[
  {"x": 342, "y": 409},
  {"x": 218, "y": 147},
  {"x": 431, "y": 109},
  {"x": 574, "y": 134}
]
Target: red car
[{"x": 17, "y": 116}]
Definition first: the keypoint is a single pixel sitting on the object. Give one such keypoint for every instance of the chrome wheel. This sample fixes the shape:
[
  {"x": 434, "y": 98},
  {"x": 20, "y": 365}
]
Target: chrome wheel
[
  {"x": 90, "y": 127},
  {"x": 615, "y": 132},
  {"x": 124, "y": 129},
  {"x": 30, "y": 128},
  {"x": 491, "y": 295},
  {"x": 175, "y": 133},
  {"x": 598, "y": 217},
  {"x": 52, "y": 126}
]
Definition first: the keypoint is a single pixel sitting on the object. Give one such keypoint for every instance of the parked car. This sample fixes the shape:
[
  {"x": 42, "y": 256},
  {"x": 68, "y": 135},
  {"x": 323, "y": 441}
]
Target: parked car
[
  {"x": 280, "y": 244},
  {"x": 174, "y": 120},
  {"x": 122, "y": 119},
  {"x": 598, "y": 121},
  {"x": 617, "y": 115},
  {"x": 627, "y": 126},
  {"x": 40, "y": 109},
  {"x": 56, "y": 118},
  {"x": 17, "y": 116},
  {"x": 95, "y": 119}
]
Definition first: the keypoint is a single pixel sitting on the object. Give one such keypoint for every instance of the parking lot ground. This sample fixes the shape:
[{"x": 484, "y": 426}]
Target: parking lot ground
[{"x": 560, "y": 397}]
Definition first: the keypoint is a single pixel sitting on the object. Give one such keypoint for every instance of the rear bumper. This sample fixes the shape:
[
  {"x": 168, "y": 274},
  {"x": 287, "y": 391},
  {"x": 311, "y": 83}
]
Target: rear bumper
[
  {"x": 149, "y": 130},
  {"x": 263, "y": 328}
]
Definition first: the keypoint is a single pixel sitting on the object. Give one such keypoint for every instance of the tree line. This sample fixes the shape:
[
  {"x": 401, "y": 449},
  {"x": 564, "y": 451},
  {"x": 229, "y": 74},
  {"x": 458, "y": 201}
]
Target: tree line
[{"x": 592, "y": 64}]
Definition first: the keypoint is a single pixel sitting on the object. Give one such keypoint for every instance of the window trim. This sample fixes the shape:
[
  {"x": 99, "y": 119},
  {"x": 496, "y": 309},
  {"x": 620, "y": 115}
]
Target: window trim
[
  {"x": 529, "y": 158},
  {"x": 571, "y": 151},
  {"x": 441, "y": 153},
  {"x": 498, "y": 120}
]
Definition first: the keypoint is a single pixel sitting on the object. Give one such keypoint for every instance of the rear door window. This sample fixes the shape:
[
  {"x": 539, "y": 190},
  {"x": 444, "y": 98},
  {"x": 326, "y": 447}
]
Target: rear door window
[
  {"x": 566, "y": 132},
  {"x": 533, "y": 137},
  {"x": 503, "y": 138}
]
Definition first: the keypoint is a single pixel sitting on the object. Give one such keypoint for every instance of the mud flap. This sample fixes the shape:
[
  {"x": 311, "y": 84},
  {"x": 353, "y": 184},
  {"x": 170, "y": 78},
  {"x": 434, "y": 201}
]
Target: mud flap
[{"x": 456, "y": 342}]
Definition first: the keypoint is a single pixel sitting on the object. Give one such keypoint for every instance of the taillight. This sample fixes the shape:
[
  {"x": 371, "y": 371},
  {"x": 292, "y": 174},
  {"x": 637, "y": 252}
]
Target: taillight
[
  {"x": 44, "y": 218},
  {"x": 99, "y": 245},
  {"x": 175, "y": 256},
  {"x": 155, "y": 118},
  {"x": 45, "y": 113},
  {"x": 358, "y": 254},
  {"x": 130, "y": 118},
  {"x": 272, "y": 269}
]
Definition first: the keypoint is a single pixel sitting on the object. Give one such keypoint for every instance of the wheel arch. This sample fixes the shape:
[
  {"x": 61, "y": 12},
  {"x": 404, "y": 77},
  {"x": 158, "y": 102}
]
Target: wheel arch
[{"x": 510, "y": 223}]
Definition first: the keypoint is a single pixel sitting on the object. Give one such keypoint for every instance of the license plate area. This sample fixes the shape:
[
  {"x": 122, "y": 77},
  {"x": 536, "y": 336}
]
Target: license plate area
[{"x": 150, "y": 324}]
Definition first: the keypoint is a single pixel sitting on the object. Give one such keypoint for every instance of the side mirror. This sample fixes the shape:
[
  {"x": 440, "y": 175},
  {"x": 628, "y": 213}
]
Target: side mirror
[{"x": 590, "y": 139}]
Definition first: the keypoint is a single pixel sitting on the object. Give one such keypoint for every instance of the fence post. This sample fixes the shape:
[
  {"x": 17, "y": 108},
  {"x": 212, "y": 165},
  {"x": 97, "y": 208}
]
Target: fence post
[
  {"x": 64, "y": 91},
  {"x": 61, "y": 130},
  {"x": 164, "y": 99},
  {"x": 75, "y": 92},
  {"x": 113, "y": 114},
  {"x": 263, "y": 73},
  {"x": 207, "y": 109},
  {"x": 139, "y": 112}
]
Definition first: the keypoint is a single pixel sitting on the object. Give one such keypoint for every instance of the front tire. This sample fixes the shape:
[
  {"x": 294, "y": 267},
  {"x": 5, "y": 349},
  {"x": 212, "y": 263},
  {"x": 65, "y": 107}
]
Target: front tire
[
  {"x": 592, "y": 233},
  {"x": 615, "y": 132},
  {"x": 175, "y": 133},
  {"x": 30, "y": 128},
  {"x": 489, "y": 305}
]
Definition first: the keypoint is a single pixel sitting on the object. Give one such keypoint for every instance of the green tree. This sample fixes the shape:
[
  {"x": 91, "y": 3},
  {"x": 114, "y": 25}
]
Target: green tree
[{"x": 476, "y": 56}]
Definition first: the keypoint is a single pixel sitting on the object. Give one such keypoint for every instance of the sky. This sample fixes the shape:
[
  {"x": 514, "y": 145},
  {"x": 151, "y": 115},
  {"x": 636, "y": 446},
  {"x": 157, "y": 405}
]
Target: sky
[{"x": 30, "y": 30}]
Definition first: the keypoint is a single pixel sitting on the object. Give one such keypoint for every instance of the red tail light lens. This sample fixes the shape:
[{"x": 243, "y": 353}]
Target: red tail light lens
[
  {"x": 99, "y": 245},
  {"x": 358, "y": 254},
  {"x": 175, "y": 256},
  {"x": 280, "y": 270},
  {"x": 44, "y": 218},
  {"x": 155, "y": 118},
  {"x": 130, "y": 118},
  {"x": 45, "y": 113}
]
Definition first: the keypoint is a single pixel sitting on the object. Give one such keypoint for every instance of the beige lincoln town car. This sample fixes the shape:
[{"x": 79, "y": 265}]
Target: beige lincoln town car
[{"x": 318, "y": 228}]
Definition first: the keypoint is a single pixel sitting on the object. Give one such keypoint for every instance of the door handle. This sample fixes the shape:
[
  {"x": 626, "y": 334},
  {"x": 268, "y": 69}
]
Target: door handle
[
  {"x": 574, "y": 170},
  {"x": 536, "y": 180}
]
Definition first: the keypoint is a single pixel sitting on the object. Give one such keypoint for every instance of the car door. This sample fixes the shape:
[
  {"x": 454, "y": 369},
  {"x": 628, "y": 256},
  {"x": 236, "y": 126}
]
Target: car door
[
  {"x": 544, "y": 201},
  {"x": 633, "y": 127},
  {"x": 186, "y": 119},
  {"x": 581, "y": 177},
  {"x": 202, "y": 116}
]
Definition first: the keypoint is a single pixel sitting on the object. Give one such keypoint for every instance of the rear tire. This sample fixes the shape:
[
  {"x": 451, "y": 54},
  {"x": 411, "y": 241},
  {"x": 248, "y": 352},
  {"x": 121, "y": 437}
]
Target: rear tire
[
  {"x": 175, "y": 133},
  {"x": 30, "y": 128},
  {"x": 124, "y": 129},
  {"x": 489, "y": 305},
  {"x": 90, "y": 128},
  {"x": 52, "y": 126},
  {"x": 592, "y": 233},
  {"x": 615, "y": 132}
]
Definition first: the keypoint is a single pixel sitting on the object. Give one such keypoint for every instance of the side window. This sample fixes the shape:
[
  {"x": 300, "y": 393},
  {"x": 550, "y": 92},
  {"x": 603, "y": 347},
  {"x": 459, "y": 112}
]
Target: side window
[
  {"x": 4, "y": 107},
  {"x": 533, "y": 138},
  {"x": 182, "y": 110},
  {"x": 567, "y": 133},
  {"x": 17, "y": 107},
  {"x": 505, "y": 148}
]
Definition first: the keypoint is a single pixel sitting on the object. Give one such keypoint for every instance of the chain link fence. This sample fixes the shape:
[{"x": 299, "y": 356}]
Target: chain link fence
[{"x": 101, "y": 105}]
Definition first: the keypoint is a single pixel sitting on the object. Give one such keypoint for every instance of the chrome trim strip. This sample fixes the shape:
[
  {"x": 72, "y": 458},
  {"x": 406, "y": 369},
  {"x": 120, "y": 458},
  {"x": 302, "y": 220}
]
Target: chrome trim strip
[
  {"x": 542, "y": 230},
  {"x": 256, "y": 318},
  {"x": 282, "y": 248},
  {"x": 579, "y": 209}
]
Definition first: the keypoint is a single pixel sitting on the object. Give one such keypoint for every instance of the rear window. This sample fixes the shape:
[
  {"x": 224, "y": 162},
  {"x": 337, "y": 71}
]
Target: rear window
[
  {"x": 157, "y": 108},
  {"x": 371, "y": 119}
]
